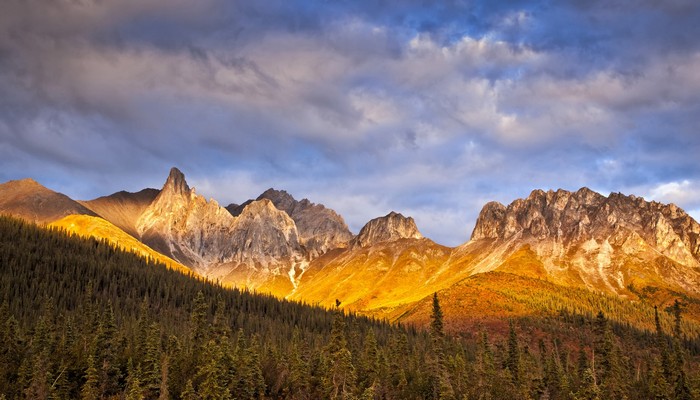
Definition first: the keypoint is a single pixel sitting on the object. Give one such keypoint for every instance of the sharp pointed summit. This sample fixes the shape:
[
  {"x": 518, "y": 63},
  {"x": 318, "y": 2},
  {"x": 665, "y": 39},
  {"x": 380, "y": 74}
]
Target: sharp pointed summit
[{"x": 176, "y": 182}]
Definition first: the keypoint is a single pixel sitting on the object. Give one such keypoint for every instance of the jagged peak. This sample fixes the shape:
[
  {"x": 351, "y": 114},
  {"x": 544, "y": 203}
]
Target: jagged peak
[
  {"x": 272, "y": 193},
  {"x": 536, "y": 193},
  {"x": 176, "y": 182},
  {"x": 281, "y": 198},
  {"x": 391, "y": 227},
  {"x": 260, "y": 206}
]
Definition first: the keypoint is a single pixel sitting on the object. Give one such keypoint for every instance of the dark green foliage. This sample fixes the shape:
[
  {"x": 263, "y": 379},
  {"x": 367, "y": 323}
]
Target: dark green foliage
[{"x": 81, "y": 319}]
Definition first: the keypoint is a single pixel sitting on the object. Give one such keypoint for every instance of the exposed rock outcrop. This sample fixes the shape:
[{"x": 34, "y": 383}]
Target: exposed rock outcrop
[
  {"x": 185, "y": 226},
  {"x": 320, "y": 228},
  {"x": 263, "y": 233},
  {"x": 390, "y": 227},
  {"x": 258, "y": 245},
  {"x": 604, "y": 243}
]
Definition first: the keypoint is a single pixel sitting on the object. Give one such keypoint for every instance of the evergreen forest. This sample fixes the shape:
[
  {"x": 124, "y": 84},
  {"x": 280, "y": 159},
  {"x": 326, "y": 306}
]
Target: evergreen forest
[{"x": 81, "y": 319}]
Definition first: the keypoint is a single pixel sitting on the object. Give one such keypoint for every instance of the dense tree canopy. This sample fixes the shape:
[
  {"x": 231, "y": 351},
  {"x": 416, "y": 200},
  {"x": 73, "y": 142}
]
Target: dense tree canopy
[{"x": 82, "y": 319}]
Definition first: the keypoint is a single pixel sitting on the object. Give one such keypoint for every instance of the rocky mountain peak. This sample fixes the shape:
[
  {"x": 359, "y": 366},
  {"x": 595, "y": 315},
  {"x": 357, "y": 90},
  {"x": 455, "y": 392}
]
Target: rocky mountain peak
[
  {"x": 280, "y": 198},
  {"x": 596, "y": 240},
  {"x": 28, "y": 199},
  {"x": 320, "y": 229},
  {"x": 262, "y": 230},
  {"x": 390, "y": 227},
  {"x": 176, "y": 183},
  {"x": 183, "y": 225},
  {"x": 262, "y": 206}
]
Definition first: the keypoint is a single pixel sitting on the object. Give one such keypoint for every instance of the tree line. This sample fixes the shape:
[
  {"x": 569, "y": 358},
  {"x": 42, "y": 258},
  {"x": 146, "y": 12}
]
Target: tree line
[{"x": 81, "y": 319}]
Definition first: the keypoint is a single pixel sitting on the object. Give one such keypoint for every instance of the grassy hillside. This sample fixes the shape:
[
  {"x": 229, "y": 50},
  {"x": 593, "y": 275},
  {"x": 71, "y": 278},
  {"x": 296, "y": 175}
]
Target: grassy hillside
[{"x": 100, "y": 229}]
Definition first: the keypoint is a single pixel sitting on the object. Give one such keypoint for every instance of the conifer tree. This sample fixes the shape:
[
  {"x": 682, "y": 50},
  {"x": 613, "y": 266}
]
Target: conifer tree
[
  {"x": 90, "y": 390},
  {"x": 298, "y": 380},
  {"x": 681, "y": 390},
  {"x": 486, "y": 367},
  {"x": 339, "y": 372},
  {"x": 658, "y": 386},
  {"x": 106, "y": 352},
  {"x": 11, "y": 347},
  {"x": 442, "y": 388},
  {"x": 253, "y": 359},
  {"x": 152, "y": 361},
  {"x": 134, "y": 391},
  {"x": 513, "y": 357},
  {"x": 369, "y": 363},
  {"x": 189, "y": 393},
  {"x": 199, "y": 321},
  {"x": 588, "y": 389},
  {"x": 436, "y": 319},
  {"x": 662, "y": 346},
  {"x": 211, "y": 375}
]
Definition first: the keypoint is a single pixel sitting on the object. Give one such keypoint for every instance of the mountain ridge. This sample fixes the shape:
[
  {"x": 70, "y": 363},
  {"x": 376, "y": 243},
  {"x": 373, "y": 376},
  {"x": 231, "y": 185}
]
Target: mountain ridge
[{"x": 617, "y": 244}]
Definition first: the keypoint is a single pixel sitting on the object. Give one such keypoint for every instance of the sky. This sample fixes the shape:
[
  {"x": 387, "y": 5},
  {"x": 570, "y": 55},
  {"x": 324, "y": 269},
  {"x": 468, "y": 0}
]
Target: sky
[{"x": 426, "y": 108}]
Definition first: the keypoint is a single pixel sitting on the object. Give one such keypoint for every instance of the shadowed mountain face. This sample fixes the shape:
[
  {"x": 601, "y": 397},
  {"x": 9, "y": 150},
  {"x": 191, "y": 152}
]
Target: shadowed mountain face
[
  {"x": 123, "y": 209},
  {"x": 33, "y": 202}
]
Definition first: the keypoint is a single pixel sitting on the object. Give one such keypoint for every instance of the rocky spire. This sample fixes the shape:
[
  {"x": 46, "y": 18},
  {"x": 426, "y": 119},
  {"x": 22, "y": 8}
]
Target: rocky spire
[
  {"x": 390, "y": 227},
  {"x": 176, "y": 183}
]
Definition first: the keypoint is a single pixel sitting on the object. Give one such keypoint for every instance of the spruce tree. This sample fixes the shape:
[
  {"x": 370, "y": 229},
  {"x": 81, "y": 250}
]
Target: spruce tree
[
  {"x": 339, "y": 372},
  {"x": 134, "y": 391},
  {"x": 588, "y": 389},
  {"x": 90, "y": 390},
  {"x": 152, "y": 361},
  {"x": 513, "y": 357},
  {"x": 189, "y": 393},
  {"x": 369, "y": 363},
  {"x": 441, "y": 385},
  {"x": 298, "y": 380},
  {"x": 662, "y": 346}
]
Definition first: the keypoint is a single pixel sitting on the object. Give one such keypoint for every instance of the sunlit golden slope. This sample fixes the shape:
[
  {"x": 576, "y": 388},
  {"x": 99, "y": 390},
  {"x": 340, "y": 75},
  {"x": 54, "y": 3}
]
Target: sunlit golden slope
[
  {"x": 123, "y": 209},
  {"x": 387, "y": 274},
  {"x": 85, "y": 225},
  {"x": 493, "y": 297}
]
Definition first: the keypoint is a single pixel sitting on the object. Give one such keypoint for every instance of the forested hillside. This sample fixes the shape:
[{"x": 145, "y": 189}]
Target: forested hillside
[{"x": 82, "y": 319}]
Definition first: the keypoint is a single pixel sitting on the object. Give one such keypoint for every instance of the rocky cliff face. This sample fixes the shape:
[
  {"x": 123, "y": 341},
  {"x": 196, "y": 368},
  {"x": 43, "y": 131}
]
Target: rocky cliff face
[
  {"x": 259, "y": 244},
  {"x": 390, "y": 227},
  {"x": 33, "y": 202},
  {"x": 262, "y": 234},
  {"x": 604, "y": 243},
  {"x": 320, "y": 228},
  {"x": 183, "y": 225}
]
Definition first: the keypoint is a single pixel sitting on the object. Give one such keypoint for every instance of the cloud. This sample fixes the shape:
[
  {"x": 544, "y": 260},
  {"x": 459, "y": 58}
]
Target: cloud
[
  {"x": 683, "y": 192},
  {"x": 430, "y": 108}
]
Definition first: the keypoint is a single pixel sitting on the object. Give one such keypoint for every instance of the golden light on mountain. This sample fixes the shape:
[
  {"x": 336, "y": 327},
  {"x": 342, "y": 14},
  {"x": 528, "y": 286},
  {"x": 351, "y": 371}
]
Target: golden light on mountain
[{"x": 98, "y": 228}]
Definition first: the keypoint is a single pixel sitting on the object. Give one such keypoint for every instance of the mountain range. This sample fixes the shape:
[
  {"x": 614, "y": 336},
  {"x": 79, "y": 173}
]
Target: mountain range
[{"x": 620, "y": 248}]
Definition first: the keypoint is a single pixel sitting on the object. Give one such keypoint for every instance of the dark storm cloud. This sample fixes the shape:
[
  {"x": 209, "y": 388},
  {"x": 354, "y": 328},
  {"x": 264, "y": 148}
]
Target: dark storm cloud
[{"x": 428, "y": 108}]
